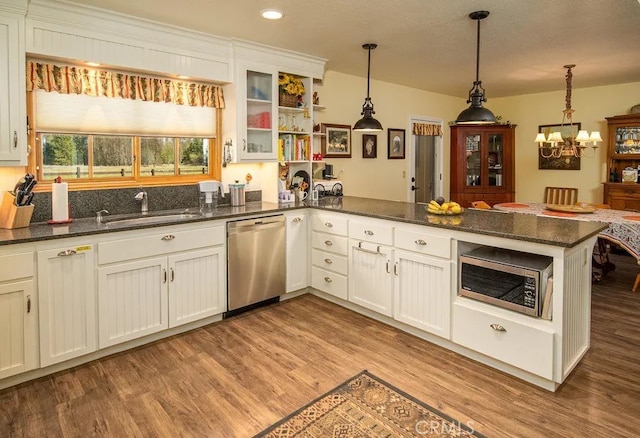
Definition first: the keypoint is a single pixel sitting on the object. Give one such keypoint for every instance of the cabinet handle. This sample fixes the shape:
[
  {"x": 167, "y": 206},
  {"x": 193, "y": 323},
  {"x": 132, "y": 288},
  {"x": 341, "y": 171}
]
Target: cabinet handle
[
  {"x": 421, "y": 242},
  {"x": 328, "y": 243},
  {"x": 244, "y": 144},
  {"x": 395, "y": 268},
  {"x": 328, "y": 279},
  {"x": 498, "y": 328},
  {"x": 328, "y": 224},
  {"x": 388, "y": 271},
  {"x": 296, "y": 219},
  {"x": 328, "y": 261},
  {"x": 164, "y": 275},
  {"x": 368, "y": 232},
  {"x": 67, "y": 252},
  {"x": 173, "y": 275},
  {"x": 28, "y": 303},
  {"x": 15, "y": 139},
  {"x": 168, "y": 237}
]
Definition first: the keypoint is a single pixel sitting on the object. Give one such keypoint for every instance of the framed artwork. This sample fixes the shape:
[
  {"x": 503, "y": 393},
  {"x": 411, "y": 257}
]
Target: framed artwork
[
  {"x": 396, "y": 145},
  {"x": 562, "y": 163},
  {"x": 369, "y": 146},
  {"x": 336, "y": 142}
]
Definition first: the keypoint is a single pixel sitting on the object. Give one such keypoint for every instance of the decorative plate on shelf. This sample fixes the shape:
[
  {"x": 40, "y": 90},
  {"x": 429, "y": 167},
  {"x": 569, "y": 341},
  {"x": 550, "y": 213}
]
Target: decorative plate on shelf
[
  {"x": 571, "y": 208},
  {"x": 635, "y": 109}
]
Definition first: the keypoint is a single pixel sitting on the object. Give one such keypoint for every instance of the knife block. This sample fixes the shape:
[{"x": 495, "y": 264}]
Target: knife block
[{"x": 12, "y": 216}]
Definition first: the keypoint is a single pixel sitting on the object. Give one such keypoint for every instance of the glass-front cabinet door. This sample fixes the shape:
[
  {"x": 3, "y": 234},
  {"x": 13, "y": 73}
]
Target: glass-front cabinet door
[
  {"x": 256, "y": 140},
  {"x": 495, "y": 159},
  {"x": 474, "y": 159}
]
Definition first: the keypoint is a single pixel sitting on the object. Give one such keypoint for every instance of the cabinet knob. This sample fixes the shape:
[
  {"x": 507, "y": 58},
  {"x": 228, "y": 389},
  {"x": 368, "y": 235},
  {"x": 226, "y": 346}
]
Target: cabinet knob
[
  {"x": 498, "y": 328},
  {"x": 328, "y": 279},
  {"x": 328, "y": 261},
  {"x": 328, "y": 243},
  {"x": 168, "y": 237},
  {"x": 328, "y": 224},
  {"x": 368, "y": 232},
  {"x": 421, "y": 242}
]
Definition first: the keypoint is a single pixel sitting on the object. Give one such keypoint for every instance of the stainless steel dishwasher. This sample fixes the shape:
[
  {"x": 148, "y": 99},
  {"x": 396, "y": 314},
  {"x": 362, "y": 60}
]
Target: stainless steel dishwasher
[{"x": 255, "y": 261}]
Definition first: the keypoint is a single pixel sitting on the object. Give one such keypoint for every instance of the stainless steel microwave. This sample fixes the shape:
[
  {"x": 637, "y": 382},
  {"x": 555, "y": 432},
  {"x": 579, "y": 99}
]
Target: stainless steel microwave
[{"x": 511, "y": 279}]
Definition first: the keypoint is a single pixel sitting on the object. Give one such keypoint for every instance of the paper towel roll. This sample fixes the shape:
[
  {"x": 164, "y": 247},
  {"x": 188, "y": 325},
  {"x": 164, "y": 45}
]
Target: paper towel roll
[{"x": 59, "y": 202}]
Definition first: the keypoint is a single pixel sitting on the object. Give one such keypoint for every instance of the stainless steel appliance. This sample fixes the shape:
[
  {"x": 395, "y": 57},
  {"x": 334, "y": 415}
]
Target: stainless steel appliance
[
  {"x": 511, "y": 279},
  {"x": 255, "y": 261}
]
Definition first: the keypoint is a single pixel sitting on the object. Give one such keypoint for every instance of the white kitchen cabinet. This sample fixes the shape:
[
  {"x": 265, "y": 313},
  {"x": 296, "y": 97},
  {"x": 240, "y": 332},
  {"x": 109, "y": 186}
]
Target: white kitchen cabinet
[
  {"x": 257, "y": 88},
  {"x": 151, "y": 283},
  {"x": 13, "y": 112},
  {"x": 297, "y": 224},
  {"x": 18, "y": 315},
  {"x": 197, "y": 287},
  {"x": 67, "y": 311},
  {"x": 330, "y": 245},
  {"x": 371, "y": 276},
  {"x": 422, "y": 296}
]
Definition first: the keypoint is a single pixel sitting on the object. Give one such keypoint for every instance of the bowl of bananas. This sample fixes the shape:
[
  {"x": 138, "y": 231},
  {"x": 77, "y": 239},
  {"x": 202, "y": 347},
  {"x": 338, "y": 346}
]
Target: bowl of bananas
[{"x": 440, "y": 207}]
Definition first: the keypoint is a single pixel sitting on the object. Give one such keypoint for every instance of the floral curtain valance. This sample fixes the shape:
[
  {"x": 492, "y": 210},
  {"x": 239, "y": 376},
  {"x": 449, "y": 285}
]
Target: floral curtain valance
[
  {"x": 427, "y": 129},
  {"x": 92, "y": 82}
]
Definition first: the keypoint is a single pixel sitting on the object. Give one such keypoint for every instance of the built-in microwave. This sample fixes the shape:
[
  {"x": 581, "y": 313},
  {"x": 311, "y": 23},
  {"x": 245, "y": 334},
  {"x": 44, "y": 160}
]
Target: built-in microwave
[{"x": 511, "y": 279}]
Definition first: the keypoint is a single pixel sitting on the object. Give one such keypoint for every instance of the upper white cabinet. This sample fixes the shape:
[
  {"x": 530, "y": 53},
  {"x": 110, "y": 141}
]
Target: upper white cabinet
[
  {"x": 18, "y": 315},
  {"x": 13, "y": 113},
  {"x": 67, "y": 303}
]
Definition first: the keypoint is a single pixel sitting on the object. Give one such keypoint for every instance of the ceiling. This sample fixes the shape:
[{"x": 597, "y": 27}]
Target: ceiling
[{"x": 431, "y": 44}]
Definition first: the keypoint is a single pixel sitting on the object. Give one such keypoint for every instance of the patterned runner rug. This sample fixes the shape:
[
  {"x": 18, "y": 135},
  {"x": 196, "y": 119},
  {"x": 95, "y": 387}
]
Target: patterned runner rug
[{"x": 366, "y": 406}]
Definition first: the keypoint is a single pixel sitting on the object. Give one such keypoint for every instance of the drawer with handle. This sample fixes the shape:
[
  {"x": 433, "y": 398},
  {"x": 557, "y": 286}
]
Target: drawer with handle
[
  {"x": 425, "y": 243},
  {"x": 371, "y": 231},
  {"x": 331, "y": 262},
  {"x": 329, "y": 282},
  {"x": 332, "y": 224},
  {"x": 331, "y": 243}
]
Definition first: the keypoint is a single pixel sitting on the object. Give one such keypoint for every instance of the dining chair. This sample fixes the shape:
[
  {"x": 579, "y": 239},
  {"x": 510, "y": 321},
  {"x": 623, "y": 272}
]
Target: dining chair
[{"x": 561, "y": 195}]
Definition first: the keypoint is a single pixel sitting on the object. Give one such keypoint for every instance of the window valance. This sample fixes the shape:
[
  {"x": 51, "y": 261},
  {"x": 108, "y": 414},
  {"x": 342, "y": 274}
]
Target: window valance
[
  {"x": 93, "y": 82},
  {"x": 427, "y": 129}
]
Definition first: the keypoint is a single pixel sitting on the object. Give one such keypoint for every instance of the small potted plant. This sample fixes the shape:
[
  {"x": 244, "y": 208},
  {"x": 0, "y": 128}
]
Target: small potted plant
[{"x": 291, "y": 89}]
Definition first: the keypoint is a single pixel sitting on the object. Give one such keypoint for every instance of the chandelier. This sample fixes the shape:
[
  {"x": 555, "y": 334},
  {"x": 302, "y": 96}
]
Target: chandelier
[{"x": 556, "y": 146}]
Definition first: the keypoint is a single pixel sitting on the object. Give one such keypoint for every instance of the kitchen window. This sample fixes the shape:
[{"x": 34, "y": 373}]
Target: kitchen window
[{"x": 106, "y": 140}]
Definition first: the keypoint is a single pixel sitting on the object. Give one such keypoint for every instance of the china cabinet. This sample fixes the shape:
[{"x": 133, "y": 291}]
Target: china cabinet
[
  {"x": 623, "y": 151},
  {"x": 482, "y": 163}
]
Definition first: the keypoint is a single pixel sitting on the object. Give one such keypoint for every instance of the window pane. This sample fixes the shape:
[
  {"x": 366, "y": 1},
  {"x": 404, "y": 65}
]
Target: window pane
[
  {"x": 194, "y": 156},
  {"x": 64, "y": 155},
  {"x": 158, "y": 156},
  {"x": 112, "y": 156}
]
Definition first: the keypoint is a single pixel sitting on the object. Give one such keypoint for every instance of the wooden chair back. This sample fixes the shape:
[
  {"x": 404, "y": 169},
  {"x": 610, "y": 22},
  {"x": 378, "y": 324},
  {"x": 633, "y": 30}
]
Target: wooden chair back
[{"x": 560, "y": 195}]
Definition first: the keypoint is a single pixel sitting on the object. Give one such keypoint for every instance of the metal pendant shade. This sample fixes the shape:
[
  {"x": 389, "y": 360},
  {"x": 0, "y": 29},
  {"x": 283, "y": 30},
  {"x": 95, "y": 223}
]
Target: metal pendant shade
[
  {"x": 367, "y": 123},
  {"x": 476, "y": 113}
]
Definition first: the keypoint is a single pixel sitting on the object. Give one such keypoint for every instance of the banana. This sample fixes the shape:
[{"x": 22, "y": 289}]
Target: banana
[{"x": 434, "y": 204}]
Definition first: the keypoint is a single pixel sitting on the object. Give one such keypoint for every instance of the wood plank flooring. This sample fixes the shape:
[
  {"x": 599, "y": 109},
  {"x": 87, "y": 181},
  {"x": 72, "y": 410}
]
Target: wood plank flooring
[{"x": 236, "y": 377}]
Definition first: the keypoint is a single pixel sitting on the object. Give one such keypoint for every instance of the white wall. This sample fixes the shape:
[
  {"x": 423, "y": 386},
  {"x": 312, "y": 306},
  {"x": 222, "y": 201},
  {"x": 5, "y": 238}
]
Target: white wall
[{"x": 343, "y": 95}]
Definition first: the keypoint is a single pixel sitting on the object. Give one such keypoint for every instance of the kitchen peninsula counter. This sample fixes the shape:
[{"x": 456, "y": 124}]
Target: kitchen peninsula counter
[{"x": 529, "y": 228}]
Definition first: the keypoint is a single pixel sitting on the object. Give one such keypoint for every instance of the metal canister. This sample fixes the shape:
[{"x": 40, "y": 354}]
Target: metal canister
[{"x": 236, "y": 192}]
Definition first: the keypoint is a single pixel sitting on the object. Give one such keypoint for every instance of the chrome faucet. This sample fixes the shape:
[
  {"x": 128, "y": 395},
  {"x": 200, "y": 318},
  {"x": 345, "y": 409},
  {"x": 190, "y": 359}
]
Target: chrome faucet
[
  {"x": 99, "y": 215},
  {"x": 142, "y": 196}
]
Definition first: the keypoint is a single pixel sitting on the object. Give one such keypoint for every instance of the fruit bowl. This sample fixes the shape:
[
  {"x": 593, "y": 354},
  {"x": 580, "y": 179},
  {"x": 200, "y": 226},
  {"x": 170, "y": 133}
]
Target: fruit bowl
[{"x": 441, "y": 208}]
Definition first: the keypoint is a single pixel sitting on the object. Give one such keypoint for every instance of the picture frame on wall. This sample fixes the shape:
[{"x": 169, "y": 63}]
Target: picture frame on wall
[
  {"x": 369, "y": 146},
  {"x": 562, "y": 163},
  {"x": 336, "y": 142},
  {"x": 395, "y": 143}
]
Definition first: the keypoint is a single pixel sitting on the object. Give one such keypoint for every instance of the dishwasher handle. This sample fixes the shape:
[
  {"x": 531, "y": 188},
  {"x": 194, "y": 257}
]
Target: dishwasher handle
[{"x": 256, "y": 224}]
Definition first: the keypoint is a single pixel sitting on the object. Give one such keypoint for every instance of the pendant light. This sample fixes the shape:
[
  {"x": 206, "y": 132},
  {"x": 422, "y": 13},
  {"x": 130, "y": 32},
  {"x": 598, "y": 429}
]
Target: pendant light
[
  {"x": 367, "y": 123},
  {"x": 476, "y": 113}
]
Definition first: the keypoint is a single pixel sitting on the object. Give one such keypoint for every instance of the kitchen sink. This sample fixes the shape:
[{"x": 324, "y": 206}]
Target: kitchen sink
[{"x": 147, "y": 220}]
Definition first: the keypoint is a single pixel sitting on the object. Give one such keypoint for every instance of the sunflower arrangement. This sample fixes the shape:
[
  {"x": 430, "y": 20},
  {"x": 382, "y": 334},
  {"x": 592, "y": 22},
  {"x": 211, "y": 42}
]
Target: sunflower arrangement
[{"x": 290, "y": 85}]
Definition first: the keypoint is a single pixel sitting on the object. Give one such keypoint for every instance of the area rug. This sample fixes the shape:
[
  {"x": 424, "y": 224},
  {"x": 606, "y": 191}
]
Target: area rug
[{"x": 366, "y": 406}]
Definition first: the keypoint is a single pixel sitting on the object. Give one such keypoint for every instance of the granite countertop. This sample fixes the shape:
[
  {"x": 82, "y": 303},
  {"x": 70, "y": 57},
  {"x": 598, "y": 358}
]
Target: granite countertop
[{"x": 526, "y": 227}]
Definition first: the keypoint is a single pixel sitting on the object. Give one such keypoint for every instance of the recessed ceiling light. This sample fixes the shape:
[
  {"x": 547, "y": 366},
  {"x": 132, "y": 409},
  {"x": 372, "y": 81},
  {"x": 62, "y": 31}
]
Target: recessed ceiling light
[
  {"x": 272, "y": 14},
  {"x": 93, "y": 64}
]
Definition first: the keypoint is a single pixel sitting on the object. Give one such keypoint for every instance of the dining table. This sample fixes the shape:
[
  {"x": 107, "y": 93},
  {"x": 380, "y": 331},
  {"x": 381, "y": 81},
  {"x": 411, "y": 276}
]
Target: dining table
[{"x": 623, "y": 229}]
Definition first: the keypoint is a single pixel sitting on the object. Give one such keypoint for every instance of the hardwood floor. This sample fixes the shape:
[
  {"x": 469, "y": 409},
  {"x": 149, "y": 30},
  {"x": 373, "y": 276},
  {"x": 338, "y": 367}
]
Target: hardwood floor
[{"x": 236, "y": 377}]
